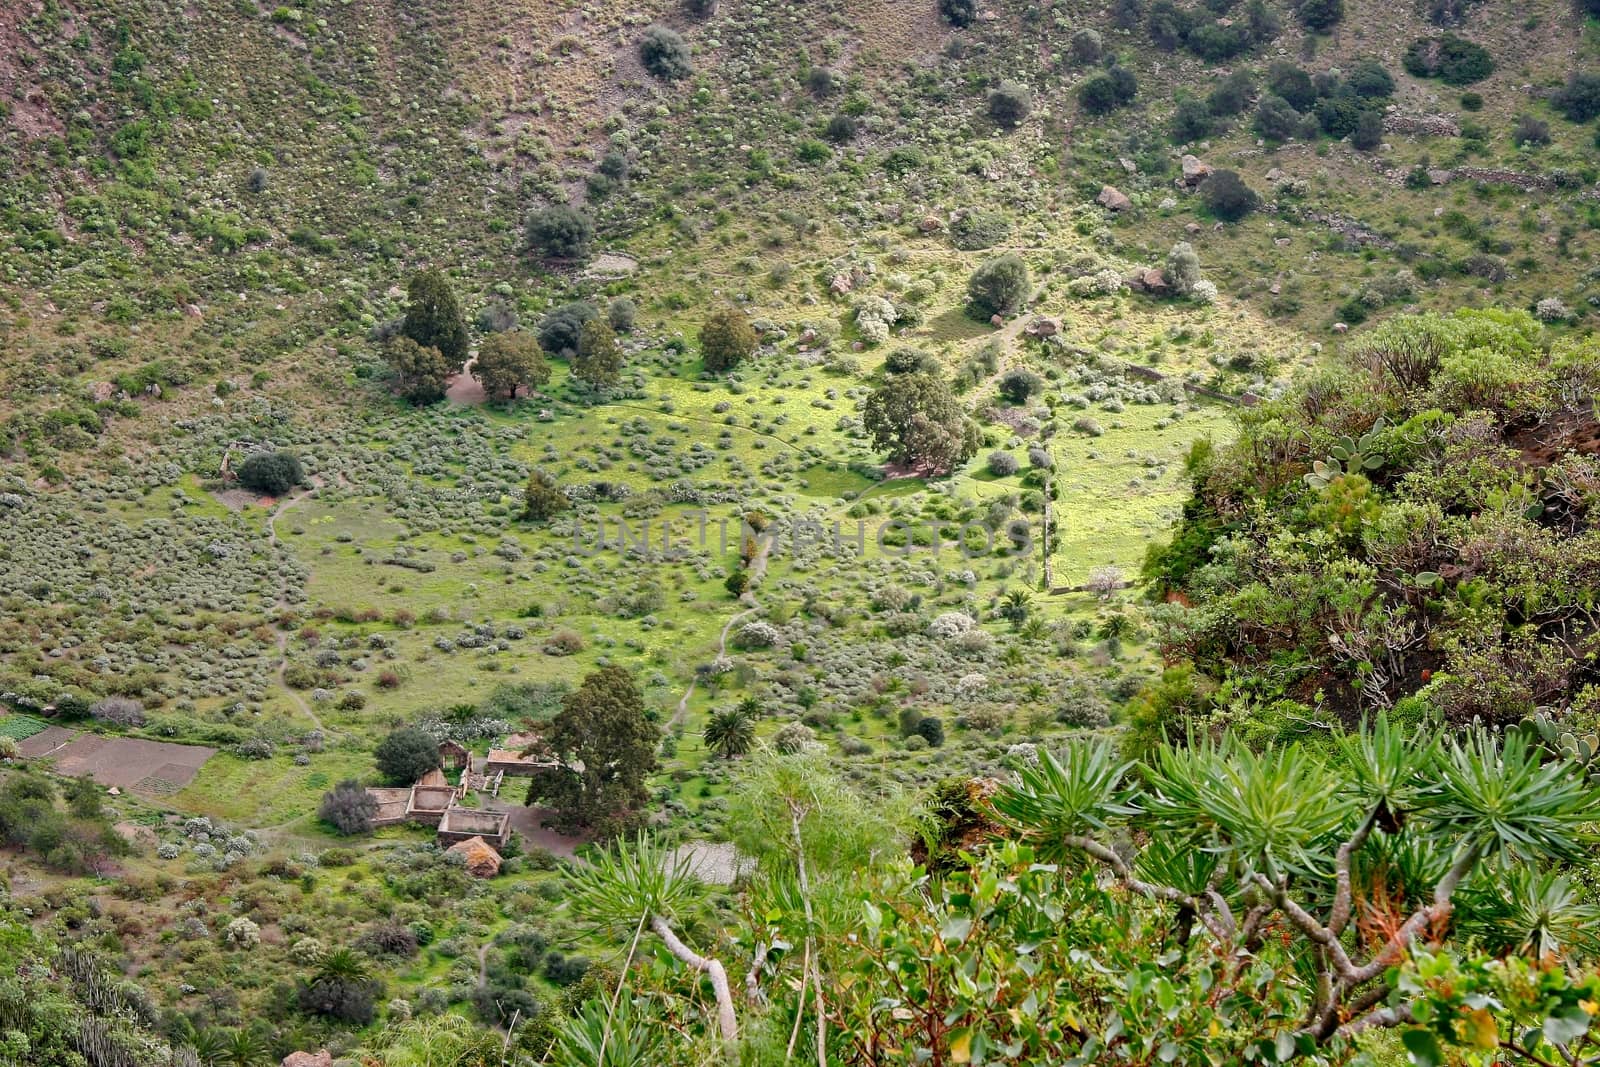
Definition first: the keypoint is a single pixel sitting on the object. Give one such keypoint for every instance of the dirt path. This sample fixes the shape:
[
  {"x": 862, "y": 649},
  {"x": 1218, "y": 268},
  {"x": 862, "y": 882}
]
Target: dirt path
[
  {"x": 758, "y": 568},
  {"x": 283, "y": 605}
]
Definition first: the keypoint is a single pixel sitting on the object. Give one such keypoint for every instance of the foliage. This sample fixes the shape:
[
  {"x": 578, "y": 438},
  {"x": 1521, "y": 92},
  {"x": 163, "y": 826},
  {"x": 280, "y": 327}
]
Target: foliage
[
  {"x": 421, "y": 374},
  {"x": 598, "y": 360},
  {"x": 1579, "y": 99},
  {"x": 1018, "y": 385},
  {"x": 959, "y": 13},
  {"x": 348, "y": 807},
  {"x": 272, "y": 473},
  {"x": 999, "y": 286},
  {"x": 433, "y": 317},
  {"x": 604, "y": 747},
  {"x": 1451, "y": 59},
  {"x": 726, "y": 340},
  {"x": 729, "y": 733},
  {"x": 405, "y": 755},
  {"x": 1010, "y": 103},
  {"x": 543, "y": 498},
  {"x": 665, "y": 54},
  {"x": 1227, "y": 196},
  {"x": 560, "y": 231},
  {"x": 919, "y": 421},
  {"x": 1105, "y": 92},
  {"x": 561, "y": 330},
  {"x": 510, "y": 361}
]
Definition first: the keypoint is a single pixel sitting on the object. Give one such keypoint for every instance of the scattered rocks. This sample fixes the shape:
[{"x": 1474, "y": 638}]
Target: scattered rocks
[{"x": 1113, "y": 199}]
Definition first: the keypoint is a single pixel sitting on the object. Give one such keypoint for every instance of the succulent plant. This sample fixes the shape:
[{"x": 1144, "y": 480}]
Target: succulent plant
[
  {"x": 1349, "y": 455},
  {"x": 1563, "y": 742}
]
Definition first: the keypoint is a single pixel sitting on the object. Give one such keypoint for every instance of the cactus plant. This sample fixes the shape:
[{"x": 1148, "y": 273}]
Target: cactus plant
[{"x": 1348, "y": 455}]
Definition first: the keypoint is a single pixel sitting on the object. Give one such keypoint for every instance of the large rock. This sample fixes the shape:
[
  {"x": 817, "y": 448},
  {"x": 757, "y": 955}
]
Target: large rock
[
  {"x": 1194, "y": 170},
  {"x": 1044, "y": 326},
  {"x": 1113, "y": 199},
  {"x": 930, "y": 224},
  {"x": 841, "y": 284},
  {"x": 321, "y": 1058}
]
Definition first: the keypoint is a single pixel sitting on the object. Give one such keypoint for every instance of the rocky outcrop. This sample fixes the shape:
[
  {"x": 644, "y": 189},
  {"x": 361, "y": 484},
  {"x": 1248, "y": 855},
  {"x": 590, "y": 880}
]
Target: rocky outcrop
[
  {"x": 320, "y": 1058},
  {"x": 1421, "y": 125},
  {"x": 1113, "y": 199},
  {"x": 1195, "y": 171}
]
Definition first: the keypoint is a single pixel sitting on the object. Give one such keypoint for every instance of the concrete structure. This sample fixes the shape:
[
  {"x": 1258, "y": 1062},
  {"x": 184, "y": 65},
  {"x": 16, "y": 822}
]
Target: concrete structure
[{"x": 463, "y": 824}]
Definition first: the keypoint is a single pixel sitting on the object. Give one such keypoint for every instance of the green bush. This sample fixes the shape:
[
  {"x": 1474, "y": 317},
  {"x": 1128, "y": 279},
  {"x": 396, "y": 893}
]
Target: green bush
[
  {"x": 665, "y": 54},
  {"x": 272, "y": 473}
]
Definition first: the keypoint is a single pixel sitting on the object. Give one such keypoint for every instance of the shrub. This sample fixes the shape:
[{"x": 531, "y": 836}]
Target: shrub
[
  {"x": 1227, "y": 196},
  {"x": 1320, "y": 15},
  {"x": 561, "y": 330},
  {"x": 406, "y": 754},
  {"x": 1579, "y": 99},
  {"x": 793, "y": 737},
  {"x": 1003, "y": 464},
  {"x": 1452, "y": 59},
  {"x": 1086, "y": 47},
  {"x": 560, "y": 232},
  {"x": 1368, "y": 78},
  {"x": 931, "y": 730},
  {"x": 389, "y": 939},
  {"x": 1530, "y": 131},
  {"x": 665, "y": 54},
  {"x": 621, "y": 314},
  {"x": 959, "y": 13},
  {"x": 543, "y": 498},
  {"x": 118, "y": 711},
  {"x": 1010, "y": 103},
  {"x": 1107, "y": 91},
  {"x": 1182, "y": 272},
  {"x": 1368, "y": 133},
  {"x": 1232, "y": 95},
  {"x": 1191, "y": 121},
  {"x": 1291, "y": 83},
  {"x": 1276, "y": 119},
  {"x": 272, "y": 473},
  {"x": 840, "y": 129},
  {"x": 726, "y": 340},
  {"x": 348, "y": 808},
  {"x": 1000, "y": 285},
  {"x": 1017, "y": 385}
]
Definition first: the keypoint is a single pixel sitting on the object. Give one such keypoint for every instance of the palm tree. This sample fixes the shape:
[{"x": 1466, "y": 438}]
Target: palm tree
[
  {"x": 210, "y": 1047},
  {"x": 342, "y": 965},
  {"x": 730, "y": 733},
  {"x": 247, "y": 1048}
]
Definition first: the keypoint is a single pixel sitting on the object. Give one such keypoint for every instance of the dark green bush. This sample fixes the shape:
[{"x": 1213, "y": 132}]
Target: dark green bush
[{"x": 272, "y": 473}]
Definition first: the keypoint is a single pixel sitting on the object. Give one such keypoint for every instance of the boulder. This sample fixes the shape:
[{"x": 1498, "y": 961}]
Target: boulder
[
  {"x": 930, "y": 224},
  {"x": 320, "y": 1058},
  {"x": 997, "y": 320},
  {"x": 841, "y": 285},
  {"x": 1153, "y": 279},
  {"x": 1194, "y": 170},
  {"x": 482, "y": 860},
  {"x": 1113, "y": 199},
  {"x": 1191, "y": 228},
  {"x": 1340, "y": 327},
  {"x": 1044, "y": 326}
]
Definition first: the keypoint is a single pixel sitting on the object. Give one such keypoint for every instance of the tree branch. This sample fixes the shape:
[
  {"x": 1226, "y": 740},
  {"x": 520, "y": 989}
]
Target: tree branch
[
  {"x": 1339, "y": 916},
  {"x": 712, "y": 968}
]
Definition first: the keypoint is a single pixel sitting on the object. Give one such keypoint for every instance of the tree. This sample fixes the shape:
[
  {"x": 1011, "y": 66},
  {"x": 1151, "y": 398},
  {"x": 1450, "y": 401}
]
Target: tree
[
  {"x": 665, "y": 54},
  {"x": 1232, "y": 95},
  {"x": 342, "y": 988},
  {"x": 1107, "y": 91},
  {"x": 999, "y": 286},
  {"x": 561, "y": 330},
  {"x": 603, "y": 746},
  {"x": 1086, "y": 47},
  {"x": 1370, "y": 79},
  {"x": 1276, "y": 119},
  {"x": 1191, "y": 121},
  {"x": 406, "y": 754},
  {"x": 272, "y": 473},
  {"x": 1479, "y": 803},
  {"x": 1010, "y": 103},
  {"x": 433, "y": 317},
  {"x": 1017, "y": 385},
  {"x": 1227, "y": 196},
  {"x": 598, "y": 362},
  {"x": 959, "y": 13},
  {"x": 1320, "y": 15},
  {"x": 918, "y": 421},
  {"x": 348, "y": 807},
  {"x": 726, "y": 339},
  {"x": 509, "y": 361},
  {"x": 543, "y": 498},
  {"x": 421, "y": 374},
  {"x": 560, "y": 232},
  {"x": 729, "y": 733},
  {"x": 621, "y": 313}
]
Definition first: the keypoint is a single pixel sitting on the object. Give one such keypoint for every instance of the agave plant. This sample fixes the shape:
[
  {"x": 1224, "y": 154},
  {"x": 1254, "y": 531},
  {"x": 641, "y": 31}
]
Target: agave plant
[{"x": 1349, "y": 455}]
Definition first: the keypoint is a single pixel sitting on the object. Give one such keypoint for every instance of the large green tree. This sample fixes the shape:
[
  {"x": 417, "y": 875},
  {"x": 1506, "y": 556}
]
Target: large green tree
[
  {"x": 602, "y": 747},
  {"x": 598, "y": 361},
  {"x": 433, "y": 317},
  {"x": 509, "y": 361},
  {"x": 406, "y": 755},
  {"x": 420, "y": 373},
  {"x": 726, "y": 339},
  {"x": 999, "y": 286},
  {"x": 919, "y": 421}
]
